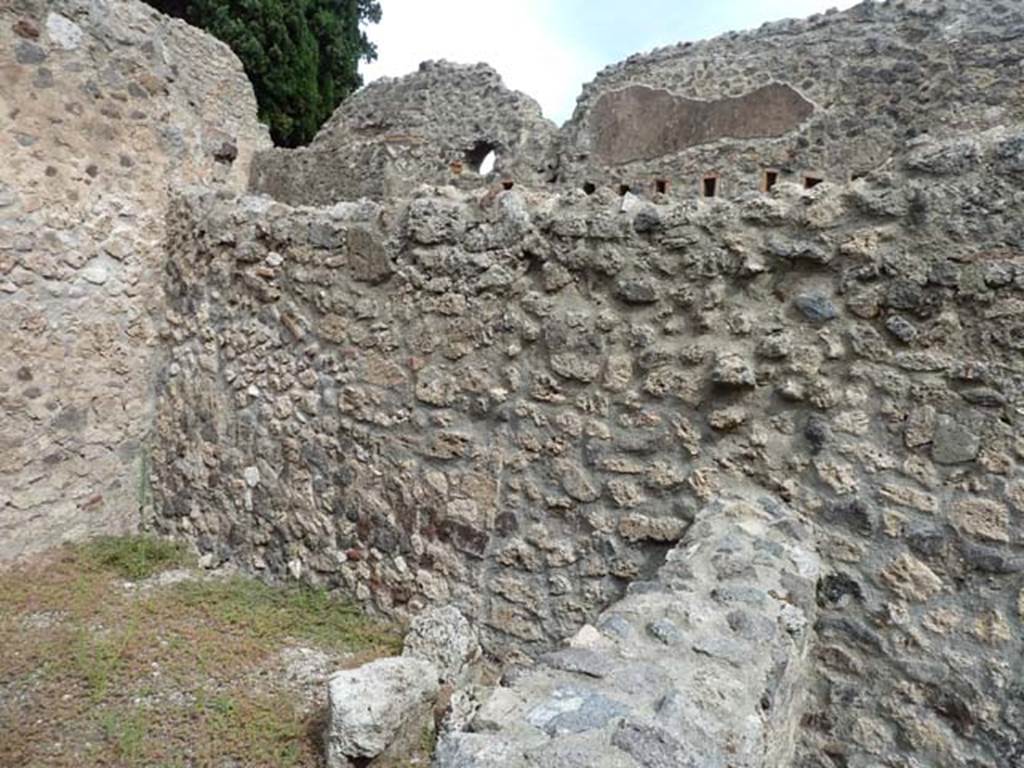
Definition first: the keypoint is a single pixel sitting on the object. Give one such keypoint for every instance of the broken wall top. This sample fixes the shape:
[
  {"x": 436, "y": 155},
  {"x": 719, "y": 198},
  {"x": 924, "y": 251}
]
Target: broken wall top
[
  {"x": 436, "y": 125},
  {"x": 833, "y": 96}
]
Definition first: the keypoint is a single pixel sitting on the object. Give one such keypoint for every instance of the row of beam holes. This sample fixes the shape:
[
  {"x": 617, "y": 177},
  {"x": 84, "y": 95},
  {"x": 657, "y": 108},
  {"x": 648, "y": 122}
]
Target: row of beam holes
[{"x": 709, "y": 184}]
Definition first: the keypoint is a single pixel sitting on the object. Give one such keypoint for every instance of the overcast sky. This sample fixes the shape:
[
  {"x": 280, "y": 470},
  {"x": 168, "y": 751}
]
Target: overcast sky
[{"x": 549, "y": 48}]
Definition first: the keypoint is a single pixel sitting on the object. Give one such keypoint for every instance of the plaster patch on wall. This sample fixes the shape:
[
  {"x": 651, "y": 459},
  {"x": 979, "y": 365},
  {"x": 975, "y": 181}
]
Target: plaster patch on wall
[{"x": 641, "y": 123}]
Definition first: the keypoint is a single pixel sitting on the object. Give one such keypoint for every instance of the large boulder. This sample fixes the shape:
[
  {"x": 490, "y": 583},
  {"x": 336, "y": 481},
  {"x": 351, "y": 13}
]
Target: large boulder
[{"x": 379, "y": 710}]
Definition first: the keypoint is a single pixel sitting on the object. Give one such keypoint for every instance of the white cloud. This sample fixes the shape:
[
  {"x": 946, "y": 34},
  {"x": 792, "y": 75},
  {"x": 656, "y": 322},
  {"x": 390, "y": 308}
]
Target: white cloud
[{"x": 528, "y": 53}]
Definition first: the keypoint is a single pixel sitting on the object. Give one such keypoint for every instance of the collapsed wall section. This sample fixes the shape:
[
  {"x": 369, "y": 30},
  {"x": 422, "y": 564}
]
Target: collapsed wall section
[
  {"x": 518, "y": 403},
  {"x": 435, "y": 126},
  {"x": 103, "y": 104},
  {"x": 704, "y": 666}
]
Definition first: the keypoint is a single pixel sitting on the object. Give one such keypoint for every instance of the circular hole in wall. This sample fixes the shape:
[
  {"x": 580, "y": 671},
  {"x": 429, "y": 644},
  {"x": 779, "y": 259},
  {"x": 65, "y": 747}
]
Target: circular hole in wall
[{"x": 481, "y": 158}]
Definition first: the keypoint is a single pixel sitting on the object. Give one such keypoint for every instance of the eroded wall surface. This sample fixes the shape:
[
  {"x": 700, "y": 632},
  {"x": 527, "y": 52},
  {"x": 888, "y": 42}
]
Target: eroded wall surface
[
  {"x": 517, "y": 402},
  {"x": 434, "y": 126},
  {"x": 642, "y": 123},
  {"x": 837, "y": 95},
  {"x": 103, "y": 106}
]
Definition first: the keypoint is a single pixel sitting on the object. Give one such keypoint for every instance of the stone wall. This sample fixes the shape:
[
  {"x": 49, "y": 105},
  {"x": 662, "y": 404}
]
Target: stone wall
[
  {"x": 517, "y": 403},
  {"x": 553, "y": 408},
  {"x": 435, "y": 126},
  {"x": 835, "y": 96},
  {"x": 704, "y": 666},
  {"x": 103, "y": 105}
]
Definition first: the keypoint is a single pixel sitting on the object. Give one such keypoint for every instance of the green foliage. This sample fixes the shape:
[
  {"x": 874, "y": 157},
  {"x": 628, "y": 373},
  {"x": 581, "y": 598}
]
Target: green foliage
[
  {"x": 270, "y": 735},
  {"x": 428, "y": 742},
  {"x": 302, "y": 56},
  {"x": 133, "y": 557},
  {"x": 274, "y": 614},
  {"x": 96, "y": 661},
  {"x": 125, "y": 731}
]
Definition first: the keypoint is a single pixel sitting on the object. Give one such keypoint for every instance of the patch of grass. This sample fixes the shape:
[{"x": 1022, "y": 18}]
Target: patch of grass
[
  {"x": 126, "y": 733},
  {"x": 268, "y": 729},
  {"x": 133, "y": 557},
  {"x": 278, "y": 614},
  {"x": 428, "y": 742},
  {"x": 96, "y": 660},
  {"x": 177, "y": 675}
]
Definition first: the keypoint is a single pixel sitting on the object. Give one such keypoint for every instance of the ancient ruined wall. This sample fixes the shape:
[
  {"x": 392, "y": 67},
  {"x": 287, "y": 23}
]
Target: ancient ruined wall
[
  {"x": 833, "y": 96},
  {"x": 760, "y": 457},
  {"x": 518, "y": 402},
  {"x": 704, "y": 665},
  {"x": 434, "y": 126},
  {"x": 829, "y": 98},
  {"x": 103, "y": 105}
]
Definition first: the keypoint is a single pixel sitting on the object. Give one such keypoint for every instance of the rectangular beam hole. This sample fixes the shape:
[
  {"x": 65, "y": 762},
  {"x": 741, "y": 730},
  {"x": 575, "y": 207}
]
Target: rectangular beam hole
[{"x": 709, "y": 185}]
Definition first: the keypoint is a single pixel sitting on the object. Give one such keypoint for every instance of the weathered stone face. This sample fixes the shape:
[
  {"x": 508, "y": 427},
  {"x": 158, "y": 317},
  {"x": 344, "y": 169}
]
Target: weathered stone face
[
  {"x": 641, "y": 123},
  {"x": 878, "y": 75},
  {"x": 91, "y": 142},
  {"x": 389, "y": 138},
  {"x": 524, "y": 407},
  {"x": 379, "y": 710}
]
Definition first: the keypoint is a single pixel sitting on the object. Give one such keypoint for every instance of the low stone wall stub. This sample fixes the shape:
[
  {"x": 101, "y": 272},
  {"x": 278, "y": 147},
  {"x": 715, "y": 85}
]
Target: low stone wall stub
[{"x": 706, "y": 665}]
